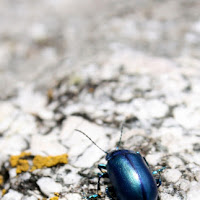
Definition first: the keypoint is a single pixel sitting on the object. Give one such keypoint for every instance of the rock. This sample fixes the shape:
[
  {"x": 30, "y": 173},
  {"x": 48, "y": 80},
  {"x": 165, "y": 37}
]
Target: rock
[
  {"x": 149, "y": 109},
  {"x": 182, "y": 114},
  {"x": 7, "y": 115},
  {"x": 154, "y": 159},
  {"x": 29, "y": 198},
  {"x": 165, "y": 196},
  {"x": 174, "y": 162},
  {"x": 184, "y": 185},
  {"x": 46, "y": 145},
  {"x": 12, "y": 195},
  {"x": 48, "y": 186},
  {"x": 73, "y": 196},
  {"x": 33, "y": 103},
  {"x": 172, "y": 175},
  {"x": 193, "y": 191},
  {"x": 38, "y": 32},
  {"x": 12, "y": 145},
  {"x": 87, "y": 151}
]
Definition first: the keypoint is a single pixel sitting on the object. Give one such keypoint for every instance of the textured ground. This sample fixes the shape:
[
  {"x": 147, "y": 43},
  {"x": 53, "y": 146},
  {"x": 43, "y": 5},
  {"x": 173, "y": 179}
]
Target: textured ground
[{"x": 92, "y": 65}]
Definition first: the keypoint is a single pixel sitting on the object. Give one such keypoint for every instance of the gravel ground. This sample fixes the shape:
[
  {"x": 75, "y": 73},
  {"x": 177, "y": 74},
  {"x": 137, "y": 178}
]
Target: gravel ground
[{"x": 92, "y": 65}]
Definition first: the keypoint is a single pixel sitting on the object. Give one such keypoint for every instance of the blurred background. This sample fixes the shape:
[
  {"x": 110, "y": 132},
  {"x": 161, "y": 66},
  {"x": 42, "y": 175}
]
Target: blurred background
[{"x": 40, "y": 39}]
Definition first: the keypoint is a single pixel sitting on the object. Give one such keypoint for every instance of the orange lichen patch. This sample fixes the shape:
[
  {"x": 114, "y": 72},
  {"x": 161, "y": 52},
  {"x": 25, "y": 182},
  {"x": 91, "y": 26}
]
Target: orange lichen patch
[
  {"x": 1, "y": 180},
  {"x": 3, "y": 191},
  {"x": 48, "y": 161},
  {"x": 54, "y": 198},
  {"x": 22, "y": 166},
  {"x": 15, "y": 159}
]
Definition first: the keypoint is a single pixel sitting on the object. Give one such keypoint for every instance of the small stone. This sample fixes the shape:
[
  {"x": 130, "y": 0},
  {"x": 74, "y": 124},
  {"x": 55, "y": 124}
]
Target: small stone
[
  {"x": 33, "y": 103},
  {"x": 172, "y": 139},
  {"x": 165, "y": 196},
  {"x": 71, "y": 178},
  {"x": 38, "y": 32},
  {"x": 12, "y": 172},
  {"x": 172, "y": 175},
  {"x": 12, "y": 145},
  {"x": 196, "y": 26},
  {"x": 46, "y": 145},
  {"x": 12, "y": 195},
  {"x": 174, "y": 162},
  {"x": 73, "y": 196},
  {"x": 29, "y": 198},
  {"x": 7, "y": 114},
  {"x": 197, "y": 175},
  {"x": 182, "y": 114},
  {"x": 184, "y": 184},
  {"x": 153, "y": 159},
  {"x": 48, "y": 186},
  {"x": 193, "y": 193},
  {"x": 149, "y": 109}
]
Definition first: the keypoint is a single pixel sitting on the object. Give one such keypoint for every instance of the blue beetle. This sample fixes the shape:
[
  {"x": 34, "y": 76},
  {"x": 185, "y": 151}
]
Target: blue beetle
[{"x": 129, "y": 175}]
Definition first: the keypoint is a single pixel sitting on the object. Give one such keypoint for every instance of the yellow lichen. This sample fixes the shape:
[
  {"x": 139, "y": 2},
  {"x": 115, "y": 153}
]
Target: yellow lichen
[
  {"x": 22, "y": 166},
  {"x": 54, "y": 198},
  {"x": 56, "y": 194},
  {"x": 48, "y": 161},
  {"x": 1, "y": 180},
  {"x": 3, "y": 191},
  {"x": 15, "y": 159}
]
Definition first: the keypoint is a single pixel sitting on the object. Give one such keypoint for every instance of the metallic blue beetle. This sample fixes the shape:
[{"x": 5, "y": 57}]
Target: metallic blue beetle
[{"x": 129, "y": 175}]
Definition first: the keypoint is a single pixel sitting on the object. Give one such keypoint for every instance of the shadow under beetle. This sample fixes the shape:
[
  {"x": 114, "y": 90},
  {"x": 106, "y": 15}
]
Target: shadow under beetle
[{"x": 129, "y": 175}]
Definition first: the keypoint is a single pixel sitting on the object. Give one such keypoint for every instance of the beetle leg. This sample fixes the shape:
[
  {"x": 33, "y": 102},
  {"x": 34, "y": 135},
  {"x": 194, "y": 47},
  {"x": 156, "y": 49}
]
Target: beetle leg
[
  {"x": 102, "y": 167},
  {"x": 94, "y": 196},
  {"x": 101, "y": 175},
  {"x": 158, "y": 181},
  {"x": 158, "y": 171},
  {"x": 98, "y": 195},
  {"x": 108, "y": 194}
]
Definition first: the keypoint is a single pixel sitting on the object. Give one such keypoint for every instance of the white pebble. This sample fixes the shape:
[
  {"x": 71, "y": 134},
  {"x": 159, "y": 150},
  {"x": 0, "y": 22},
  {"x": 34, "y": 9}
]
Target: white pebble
[
  {"x": 12, "y": 195},
  {"x": 184, "y": 185},
  {"x": 193, "y": 193},
  {"x": 29, "y": 198},
  {"x": 165, "y": 196},
  {"x": 38, "y": 32},
  {"x": 174, "y": 162},
  {"x": 197, "y": 175},
  {"x": 48, "y": 186},
  {"x": 73, "y": 196},
  {"x": 172, "y": 175}
]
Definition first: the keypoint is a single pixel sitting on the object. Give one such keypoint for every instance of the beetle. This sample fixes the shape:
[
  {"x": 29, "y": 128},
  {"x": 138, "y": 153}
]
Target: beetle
[{"x": 129, "y": 174}]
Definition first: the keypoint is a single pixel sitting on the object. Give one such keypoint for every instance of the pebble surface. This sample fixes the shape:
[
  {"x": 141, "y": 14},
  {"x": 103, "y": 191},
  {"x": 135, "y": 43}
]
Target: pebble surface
[{"x": 128, "y": 79}]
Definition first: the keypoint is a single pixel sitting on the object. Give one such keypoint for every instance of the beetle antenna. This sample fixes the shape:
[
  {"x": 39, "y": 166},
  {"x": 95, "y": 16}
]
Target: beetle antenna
[
  {"x": 91, "y": 141},
  {"x": 121, "y": 128}
]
